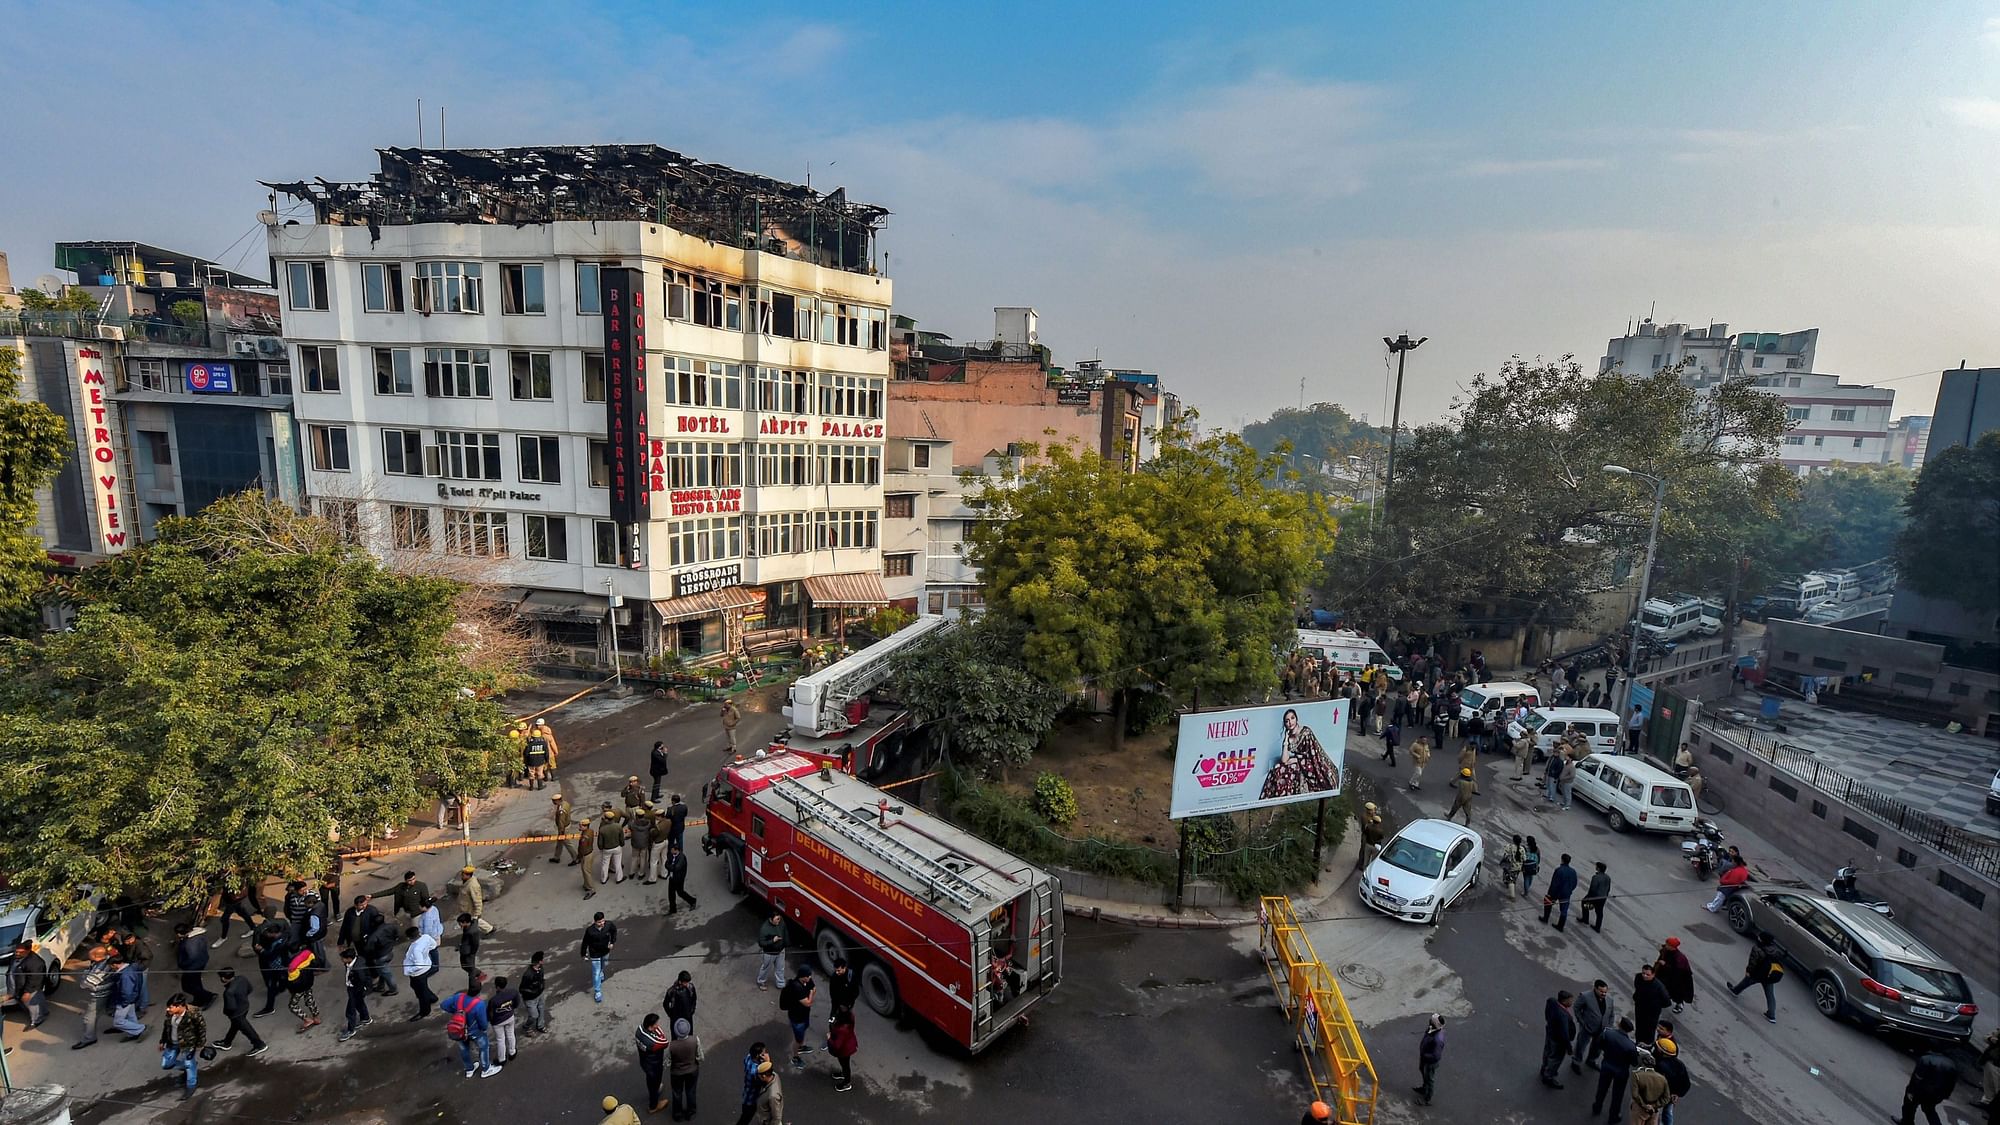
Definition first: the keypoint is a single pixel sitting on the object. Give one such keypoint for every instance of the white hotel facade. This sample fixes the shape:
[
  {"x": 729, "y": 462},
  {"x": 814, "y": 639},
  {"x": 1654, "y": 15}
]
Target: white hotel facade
[{"x": 450, "y": 391}]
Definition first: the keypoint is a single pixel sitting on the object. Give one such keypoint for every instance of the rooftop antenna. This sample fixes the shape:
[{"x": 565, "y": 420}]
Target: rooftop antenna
[
  {"x": 420, "y": 123},
  {"x": 1302, "y": 393},
  {"x": 441, "y": 143}
]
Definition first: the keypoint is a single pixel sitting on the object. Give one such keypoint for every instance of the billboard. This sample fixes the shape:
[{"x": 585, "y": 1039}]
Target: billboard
[
  {"x": 1256, "y": 757},
  {"x": 211, "y": 378},
  {"x": 623, "y": 296},
  {"x": 99, "y": 450}
]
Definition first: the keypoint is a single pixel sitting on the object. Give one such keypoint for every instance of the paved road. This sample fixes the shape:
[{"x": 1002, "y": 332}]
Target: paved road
[{"x": 1148, "y": 1026}]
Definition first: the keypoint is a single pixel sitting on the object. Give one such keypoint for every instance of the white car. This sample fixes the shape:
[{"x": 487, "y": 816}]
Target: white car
[{"x": 1422, "y": 869}]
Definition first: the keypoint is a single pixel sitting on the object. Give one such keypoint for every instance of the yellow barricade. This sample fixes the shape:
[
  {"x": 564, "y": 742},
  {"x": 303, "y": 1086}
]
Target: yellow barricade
[{"x": 1336, "y": 1061}]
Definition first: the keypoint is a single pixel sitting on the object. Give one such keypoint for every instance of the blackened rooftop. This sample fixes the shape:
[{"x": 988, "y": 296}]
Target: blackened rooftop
[{"x": 644, "y": 183}]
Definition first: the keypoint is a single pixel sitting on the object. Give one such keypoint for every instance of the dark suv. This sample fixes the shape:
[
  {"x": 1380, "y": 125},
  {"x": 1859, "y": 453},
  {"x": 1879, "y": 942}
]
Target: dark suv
[{"x": 1860, "y": 964}]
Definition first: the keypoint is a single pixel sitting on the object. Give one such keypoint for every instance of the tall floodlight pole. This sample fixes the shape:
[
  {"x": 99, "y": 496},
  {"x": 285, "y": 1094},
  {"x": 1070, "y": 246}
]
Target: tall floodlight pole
[
  {"x": 1645, "y": 578},
  {"x": 1402, "y": 346}
]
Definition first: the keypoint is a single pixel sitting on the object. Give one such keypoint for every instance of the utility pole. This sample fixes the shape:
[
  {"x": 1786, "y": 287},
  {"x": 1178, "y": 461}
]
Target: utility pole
[
  {"x": 1402, "y": 346},
  {"x": 612, "y": 602},
  {"x": 1645, "y": 579}
]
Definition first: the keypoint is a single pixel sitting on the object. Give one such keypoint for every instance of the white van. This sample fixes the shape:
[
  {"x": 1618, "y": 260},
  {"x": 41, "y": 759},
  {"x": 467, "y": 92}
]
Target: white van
[
  {"x": 1348, "y": 651},
  {"x": 1550, "y": 725},
  {"x": 1635, "y": 794},
  {"x": 1670, "y": 618},
  {"x": 1496, "y": 698}
]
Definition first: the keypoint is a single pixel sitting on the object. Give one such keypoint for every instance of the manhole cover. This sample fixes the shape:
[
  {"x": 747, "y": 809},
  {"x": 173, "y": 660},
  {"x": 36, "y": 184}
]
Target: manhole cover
[{"x": 1360, "y": 976}]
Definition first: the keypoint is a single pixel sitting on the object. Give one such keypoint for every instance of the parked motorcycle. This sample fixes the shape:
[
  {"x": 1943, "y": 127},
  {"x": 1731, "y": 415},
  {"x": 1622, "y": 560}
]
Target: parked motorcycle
[
  {"x": 1703, "y": 849},
  {"x": 1843, "y": 889}
]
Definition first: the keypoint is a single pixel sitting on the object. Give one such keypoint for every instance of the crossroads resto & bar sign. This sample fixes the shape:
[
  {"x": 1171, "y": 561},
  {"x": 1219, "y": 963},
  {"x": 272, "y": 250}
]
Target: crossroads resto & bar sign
[{"x": 624, "y": 303}]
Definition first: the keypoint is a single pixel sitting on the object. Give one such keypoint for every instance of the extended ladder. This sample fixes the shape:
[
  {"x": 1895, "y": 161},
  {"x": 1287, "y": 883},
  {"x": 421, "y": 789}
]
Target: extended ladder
[{"x": 863, "y": 830}]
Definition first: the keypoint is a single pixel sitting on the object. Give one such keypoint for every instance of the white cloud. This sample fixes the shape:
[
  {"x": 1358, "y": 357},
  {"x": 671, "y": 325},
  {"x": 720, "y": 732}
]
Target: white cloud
[
  {"x": 1550, "y": 165},
  {"x": 1976, "y": 113},
  {"x": 1268, "y": 136},
  {"x": 1989, "y": 33}
]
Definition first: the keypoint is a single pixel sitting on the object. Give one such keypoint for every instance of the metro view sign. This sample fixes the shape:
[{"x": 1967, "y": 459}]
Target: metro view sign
[{"x": 100, "y": 453}]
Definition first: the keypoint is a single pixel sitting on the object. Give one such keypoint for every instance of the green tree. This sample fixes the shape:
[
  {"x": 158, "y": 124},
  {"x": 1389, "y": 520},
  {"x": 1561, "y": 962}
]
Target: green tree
[
  {"x": 1181, "y": 577},
  {"x": 971, "y": 682},
  {"x": 1851, "y": 514},
  {"x": 33, "y": 443},
  {"x": 238, "y": 694},
  {"x": 1505, "y": 510},
  {"x": 1951, "y": 546},
  {"x": 72, "y": 299},
  {"x": 1316, "y": 441},
  {"x": 190, "y": 313}
]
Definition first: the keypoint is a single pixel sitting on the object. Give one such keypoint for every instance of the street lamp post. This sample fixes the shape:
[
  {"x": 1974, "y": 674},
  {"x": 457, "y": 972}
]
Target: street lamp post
[
  {"x": 1645, "y": 577},
  {"x": 612, "y": 602},
  {"x": 1402, "y": 346}
]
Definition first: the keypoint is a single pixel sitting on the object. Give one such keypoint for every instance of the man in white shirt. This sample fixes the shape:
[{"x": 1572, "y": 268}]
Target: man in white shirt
[{"x": 419, "y": 965}]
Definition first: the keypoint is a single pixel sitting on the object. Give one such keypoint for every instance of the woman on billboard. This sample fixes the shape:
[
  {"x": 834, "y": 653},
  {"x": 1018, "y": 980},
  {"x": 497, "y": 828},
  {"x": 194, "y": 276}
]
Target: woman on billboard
[{"x": 1303, "y": 765}]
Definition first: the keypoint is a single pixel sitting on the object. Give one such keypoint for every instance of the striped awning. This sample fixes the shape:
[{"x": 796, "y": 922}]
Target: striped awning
[
  {"x": 562, "y": 605},
  {"x": 705, "y": 604},
  {"x": 863, "y": 588}
]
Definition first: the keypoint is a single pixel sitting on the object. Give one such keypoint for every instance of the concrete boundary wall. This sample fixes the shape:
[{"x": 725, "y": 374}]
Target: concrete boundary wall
[{"x": 1952, "y": 908}]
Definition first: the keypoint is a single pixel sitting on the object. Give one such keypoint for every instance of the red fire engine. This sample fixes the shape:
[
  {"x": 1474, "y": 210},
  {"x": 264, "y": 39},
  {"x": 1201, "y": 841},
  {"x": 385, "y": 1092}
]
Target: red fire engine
[{"x": 936, "y": 921}]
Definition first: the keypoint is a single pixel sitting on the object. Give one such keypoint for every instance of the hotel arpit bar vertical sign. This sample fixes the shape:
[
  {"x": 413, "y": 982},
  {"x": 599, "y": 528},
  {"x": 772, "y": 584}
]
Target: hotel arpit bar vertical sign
[{"x": 624, "y": 303}]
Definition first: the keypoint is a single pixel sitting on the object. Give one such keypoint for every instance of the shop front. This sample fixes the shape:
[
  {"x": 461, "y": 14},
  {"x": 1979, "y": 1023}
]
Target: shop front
[
  {"x": 705, "y": 617},
  {"x": 834, "y": 600}
]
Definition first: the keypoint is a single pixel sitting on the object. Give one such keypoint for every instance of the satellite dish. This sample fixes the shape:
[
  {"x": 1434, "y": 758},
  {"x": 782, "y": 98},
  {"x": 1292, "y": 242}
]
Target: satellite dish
[{"x": 49, "y": 283}]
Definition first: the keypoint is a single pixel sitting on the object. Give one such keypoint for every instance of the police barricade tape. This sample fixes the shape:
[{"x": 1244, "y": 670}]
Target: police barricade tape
[{"x": 454, "y": 842}]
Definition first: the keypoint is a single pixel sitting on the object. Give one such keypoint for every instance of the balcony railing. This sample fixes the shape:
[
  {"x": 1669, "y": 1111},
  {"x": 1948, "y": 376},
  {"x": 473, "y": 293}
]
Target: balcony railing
[{"x": 91, "y": 326}]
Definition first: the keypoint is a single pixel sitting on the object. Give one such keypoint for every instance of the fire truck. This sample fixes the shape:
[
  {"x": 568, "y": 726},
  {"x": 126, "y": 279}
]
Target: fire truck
[{"x": 936, "y": 922}]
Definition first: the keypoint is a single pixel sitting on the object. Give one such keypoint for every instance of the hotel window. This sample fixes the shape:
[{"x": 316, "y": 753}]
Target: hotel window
[
  {"x": 547, "y": 537},
  {"x": 846, "y": 529},
  {"x": 702, "y": 382},
  {"x": 530, "y": 376},
  {"x": 783, "y": 391},
  {"x": 458, "y": 373},
  {"x": 279, "y": 376},
  {"x": 322, "y": 365},
  {"x": 847, "y": 321},
  {"x": 150, "y": 374},
  {"x": 589, "y": 297},
  {"x": 680, "y": 294},
  {"x": 732, "y": 308},
  {"x": 393, "y": 372},
  {"x": 850, "y": 396},
  {"x": 468, "y": 456},
  {"x": 705, "y": 540},
  {"x": 878, "y": 328},
  {"x": 899, "y": 566},
  {"x": 521, "y": 290},
  {"x": 1797, "y": 413},
  {"x": 806, "y": 318},
  {"x": 306, "y": 284},
  {"x": 604, "y": 542},
  {"x": 1846, "y": 415},
  {"x": 409, "y": 527},
  {"x": 850, "y": 464},
  {"x": 541, "y": 459},
  {"x": 403, "y": 453},
  {"x": 899, "y": 507},
  {"x": 593, "y": 377},
  {"x": 776, "y": 313},
  {"x": 329, "y": 448},
  {"x": 475, "y": 533},
  {"x": 600, "y": 463},
  {"x": 703, "y": 464},
  {"x": 1795, "y": 441},
  {"x": 449, "y": 287},
  {"x": 381, "y": 287},
  {"x": 784, "y": 533},
  {"x": 783, "y": 463}
]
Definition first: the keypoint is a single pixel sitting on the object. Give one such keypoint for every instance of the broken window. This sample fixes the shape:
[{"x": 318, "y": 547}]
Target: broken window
[
  {"x": 530, "y": 376},
  {"x": 521, "y": 287},
  {"x": 732, "y": 307},
  {"x": 878, "y": 328},
  {"x": 306, "y": 282},
  {"x": 680, "y": 295}
]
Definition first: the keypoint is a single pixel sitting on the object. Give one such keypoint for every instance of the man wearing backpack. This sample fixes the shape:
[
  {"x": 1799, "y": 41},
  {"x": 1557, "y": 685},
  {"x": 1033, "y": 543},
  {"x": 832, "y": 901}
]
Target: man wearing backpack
[
  {"x": 1765, "y": 967},
  {"x": 466, "y": 1026}
]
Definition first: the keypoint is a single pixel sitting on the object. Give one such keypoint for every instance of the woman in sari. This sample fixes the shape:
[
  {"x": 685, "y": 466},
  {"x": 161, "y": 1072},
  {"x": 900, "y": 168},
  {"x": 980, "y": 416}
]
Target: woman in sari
[{"x": 1303, "y": 765}]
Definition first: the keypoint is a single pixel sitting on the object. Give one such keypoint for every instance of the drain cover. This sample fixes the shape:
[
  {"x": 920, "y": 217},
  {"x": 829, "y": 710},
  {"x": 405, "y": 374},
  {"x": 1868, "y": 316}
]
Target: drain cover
[{"x": 1360, "y": 976}]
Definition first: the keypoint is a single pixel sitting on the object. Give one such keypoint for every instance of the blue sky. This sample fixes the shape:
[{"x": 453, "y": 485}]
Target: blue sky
[{"x": 1236, "y": 198}]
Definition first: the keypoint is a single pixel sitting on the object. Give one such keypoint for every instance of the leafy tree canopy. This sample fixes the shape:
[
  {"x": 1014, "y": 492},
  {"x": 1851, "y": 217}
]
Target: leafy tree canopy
[
  {"x": 1951, "y": 546},
  {"x": 236, "y": 695},
  {"x": 1317, "y": 439},
  {"x": 1506, "y": 505},
  {"x": 1182, "y": 576},
  {"x": 970, "y": 680},
  {"x": 33, "y": 442}
]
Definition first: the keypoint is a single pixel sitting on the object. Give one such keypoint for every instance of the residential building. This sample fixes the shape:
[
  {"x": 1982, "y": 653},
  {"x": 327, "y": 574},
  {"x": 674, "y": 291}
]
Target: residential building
[
  {"x": 993, "y": 399},
  {"x": 1830, "y": 421},
  {"x": 1968, "y": 407},
  {"x": 926, "y": 524},
  {"x": 1909, "y": 440},
  {"x": 645, "y": 393},
  {"x": 176, "y": 387}
]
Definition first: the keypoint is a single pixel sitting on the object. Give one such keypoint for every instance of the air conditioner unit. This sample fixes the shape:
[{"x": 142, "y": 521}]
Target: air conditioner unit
[
  {"x": 245, "y": 347},
  {"x": 110, "y": 332}
]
